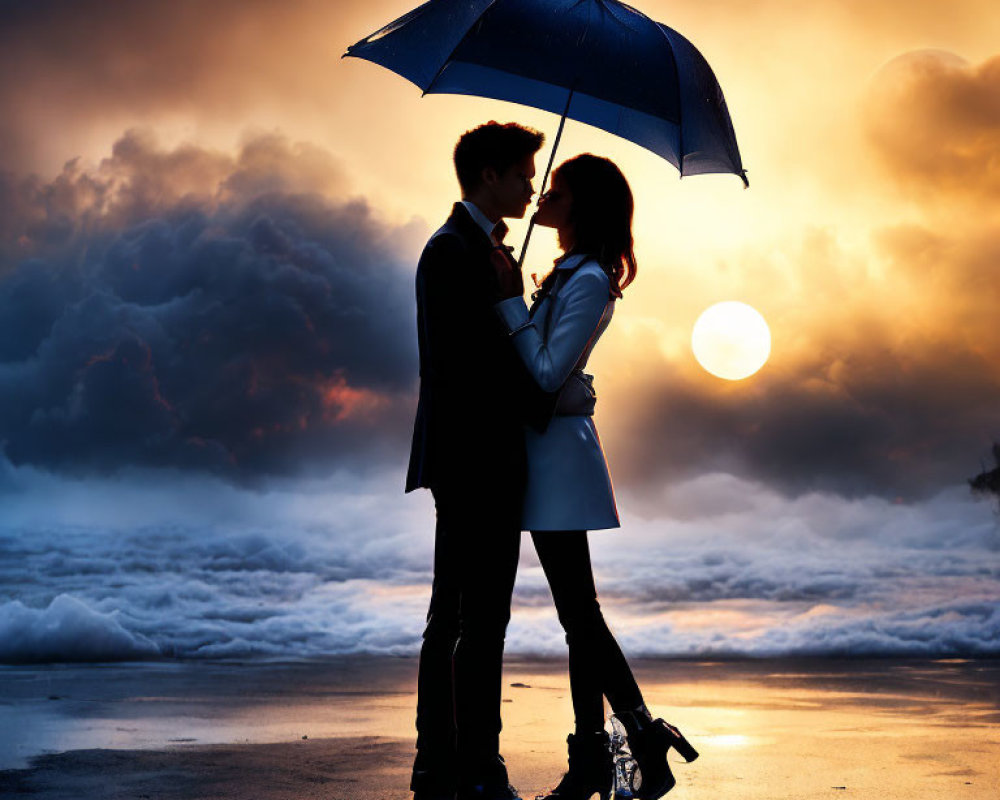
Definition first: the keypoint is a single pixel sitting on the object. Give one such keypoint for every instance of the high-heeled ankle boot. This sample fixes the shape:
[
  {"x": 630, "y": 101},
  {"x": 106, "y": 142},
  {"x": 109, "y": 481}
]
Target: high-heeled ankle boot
[
  {"x": 590, "y": 769},
  {"x": 649, "y": 740}
]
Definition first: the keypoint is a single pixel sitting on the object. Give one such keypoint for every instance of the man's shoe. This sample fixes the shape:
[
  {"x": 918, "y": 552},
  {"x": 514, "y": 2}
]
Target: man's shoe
[
  {"x": 433, "y": 794},
  {"x": 431, "y": 788},
  {"x": 432, "y": 779},
  {"x": 487, "y": 781},
  {"x": 591, "y": 770}
]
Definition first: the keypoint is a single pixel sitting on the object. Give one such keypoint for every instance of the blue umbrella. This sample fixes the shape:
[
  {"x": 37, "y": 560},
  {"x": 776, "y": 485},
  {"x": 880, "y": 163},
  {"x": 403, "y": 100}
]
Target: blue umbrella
[{"x": 600, "y": 62}]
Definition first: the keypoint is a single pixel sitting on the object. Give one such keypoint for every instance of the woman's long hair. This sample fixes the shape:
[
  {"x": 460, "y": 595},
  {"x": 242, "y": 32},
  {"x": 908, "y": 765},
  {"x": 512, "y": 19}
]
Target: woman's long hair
[{"x": 601, "y": 215}]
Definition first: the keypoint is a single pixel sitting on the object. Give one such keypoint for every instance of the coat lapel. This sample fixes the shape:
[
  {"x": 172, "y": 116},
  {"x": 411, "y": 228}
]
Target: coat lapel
[
  {"x": 468, "y": 229},
  {"x": 563, "y": 270},
  {"x": 481, "y": 270}
]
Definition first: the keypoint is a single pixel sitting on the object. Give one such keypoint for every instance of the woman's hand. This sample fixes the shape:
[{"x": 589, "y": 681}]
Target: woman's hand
[{"x": 508, "y": 273}]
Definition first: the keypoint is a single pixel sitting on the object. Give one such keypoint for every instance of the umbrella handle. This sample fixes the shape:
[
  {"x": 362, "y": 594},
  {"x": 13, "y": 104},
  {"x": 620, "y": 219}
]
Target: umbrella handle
[{"x": 545, "y": 179}]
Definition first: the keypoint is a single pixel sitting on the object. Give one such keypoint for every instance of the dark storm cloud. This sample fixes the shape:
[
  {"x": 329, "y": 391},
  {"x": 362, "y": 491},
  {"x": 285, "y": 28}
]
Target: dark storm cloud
[
  {"x": 855, "y": 423},
  {"x": 186, "y": 308}
]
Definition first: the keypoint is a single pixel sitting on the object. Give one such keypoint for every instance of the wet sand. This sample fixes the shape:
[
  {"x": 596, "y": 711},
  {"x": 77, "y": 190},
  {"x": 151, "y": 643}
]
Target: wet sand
[{"x": 343, "y": 728}]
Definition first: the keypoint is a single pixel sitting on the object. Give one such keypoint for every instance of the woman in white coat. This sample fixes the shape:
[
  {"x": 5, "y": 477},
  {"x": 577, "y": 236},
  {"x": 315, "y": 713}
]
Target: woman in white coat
[{"x": 569, "y": 487}]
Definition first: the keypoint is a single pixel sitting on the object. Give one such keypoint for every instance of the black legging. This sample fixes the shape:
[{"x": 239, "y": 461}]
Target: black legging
[{"x": 597, "y": 667}]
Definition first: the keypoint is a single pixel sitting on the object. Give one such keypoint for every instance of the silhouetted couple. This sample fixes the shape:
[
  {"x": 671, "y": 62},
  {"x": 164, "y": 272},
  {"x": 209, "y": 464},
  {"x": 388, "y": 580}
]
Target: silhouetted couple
[{"x": 504, "y": 439}]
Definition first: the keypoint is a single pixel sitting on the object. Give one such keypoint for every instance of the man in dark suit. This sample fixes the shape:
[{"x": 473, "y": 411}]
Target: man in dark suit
[{"x": 468, "y": 449}]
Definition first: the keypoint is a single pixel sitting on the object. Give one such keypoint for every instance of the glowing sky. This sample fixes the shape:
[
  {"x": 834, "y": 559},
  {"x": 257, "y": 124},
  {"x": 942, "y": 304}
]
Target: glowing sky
[{"x": 209, "y": 223}]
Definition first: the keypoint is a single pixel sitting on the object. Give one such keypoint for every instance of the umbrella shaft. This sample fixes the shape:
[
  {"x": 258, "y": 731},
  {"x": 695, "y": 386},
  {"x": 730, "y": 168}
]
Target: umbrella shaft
[{"x": 545, "y": 179}]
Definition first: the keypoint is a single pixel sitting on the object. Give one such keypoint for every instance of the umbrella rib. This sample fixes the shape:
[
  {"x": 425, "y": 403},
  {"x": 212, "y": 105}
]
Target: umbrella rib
[
  {"x": 680, "y": 103},
  {"x": 445, "y": 63},
  {"x": 680, "y": 100}
]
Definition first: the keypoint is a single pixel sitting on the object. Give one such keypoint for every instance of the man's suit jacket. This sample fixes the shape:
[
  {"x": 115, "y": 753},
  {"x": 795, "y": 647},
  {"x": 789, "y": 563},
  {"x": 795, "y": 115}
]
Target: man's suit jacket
[{"x": 475, "y": 393}]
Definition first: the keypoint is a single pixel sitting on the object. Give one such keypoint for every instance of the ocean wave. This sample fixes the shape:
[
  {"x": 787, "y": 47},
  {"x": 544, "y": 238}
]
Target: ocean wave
[
  {"x": 777, "y": 578},
  {"x": 67, "y": 630}
]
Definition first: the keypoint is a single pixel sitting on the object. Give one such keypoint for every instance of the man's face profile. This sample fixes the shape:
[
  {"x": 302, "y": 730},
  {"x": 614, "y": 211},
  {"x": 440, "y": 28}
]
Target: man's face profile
[{"x": 512, "y": 189}]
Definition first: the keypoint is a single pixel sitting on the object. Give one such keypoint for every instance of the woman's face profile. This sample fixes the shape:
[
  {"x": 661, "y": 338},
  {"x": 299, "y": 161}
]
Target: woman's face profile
[{"x": 554, "y": 206}]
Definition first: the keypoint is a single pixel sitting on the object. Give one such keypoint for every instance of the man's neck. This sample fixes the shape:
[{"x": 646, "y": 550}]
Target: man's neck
[{"x": 479, "y": 218}]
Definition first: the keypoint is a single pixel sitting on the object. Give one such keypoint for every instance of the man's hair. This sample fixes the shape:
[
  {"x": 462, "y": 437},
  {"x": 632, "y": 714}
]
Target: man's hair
[{"x": 493, "y": 145}]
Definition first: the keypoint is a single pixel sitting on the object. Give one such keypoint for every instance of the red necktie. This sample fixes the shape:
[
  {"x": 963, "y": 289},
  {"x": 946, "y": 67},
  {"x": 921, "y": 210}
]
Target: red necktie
[{"x": 500, "y": 231}]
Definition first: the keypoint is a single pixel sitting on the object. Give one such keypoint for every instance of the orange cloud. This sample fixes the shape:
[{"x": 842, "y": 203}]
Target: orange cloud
[
  {"x": 343, "y": 402},
  {"x": 935, "y": 121}
]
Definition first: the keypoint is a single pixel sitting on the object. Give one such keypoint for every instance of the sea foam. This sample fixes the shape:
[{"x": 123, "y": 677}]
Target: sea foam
[{"x": 68, "y": 630}]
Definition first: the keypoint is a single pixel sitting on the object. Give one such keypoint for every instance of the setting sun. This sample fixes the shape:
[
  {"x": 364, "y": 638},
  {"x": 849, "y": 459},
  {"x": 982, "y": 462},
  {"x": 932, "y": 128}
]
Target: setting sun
[{"x": 731, "y": 340}]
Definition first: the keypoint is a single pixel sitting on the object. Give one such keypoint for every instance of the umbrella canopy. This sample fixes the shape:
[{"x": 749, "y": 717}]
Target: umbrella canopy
[{"x": 600, "y": 62}]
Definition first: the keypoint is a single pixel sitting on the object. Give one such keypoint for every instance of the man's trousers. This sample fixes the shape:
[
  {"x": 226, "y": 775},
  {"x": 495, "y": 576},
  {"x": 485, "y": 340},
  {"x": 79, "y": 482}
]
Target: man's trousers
[{"x": 460, "y": 673}]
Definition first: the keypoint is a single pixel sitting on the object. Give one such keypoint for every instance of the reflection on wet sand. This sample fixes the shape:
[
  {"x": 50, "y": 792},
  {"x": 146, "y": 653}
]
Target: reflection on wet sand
[{"x": 765, "y": 729}]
